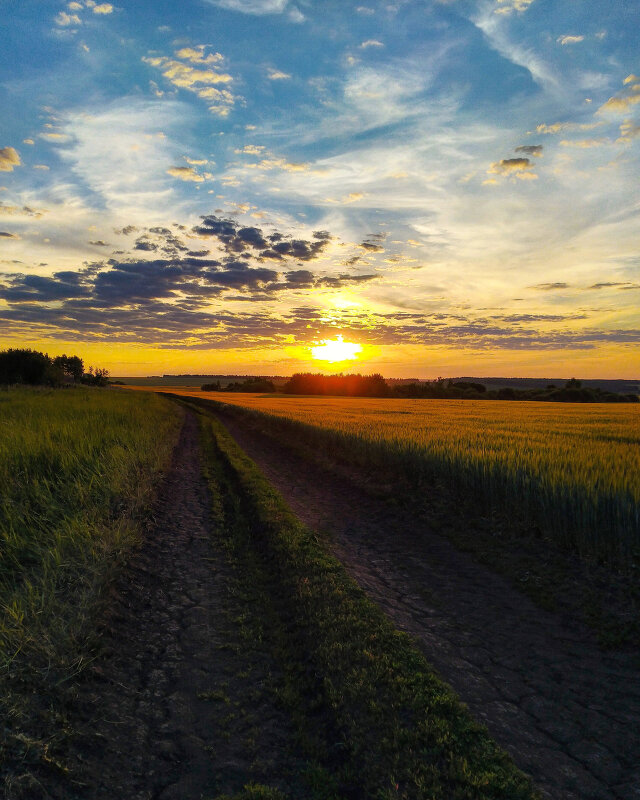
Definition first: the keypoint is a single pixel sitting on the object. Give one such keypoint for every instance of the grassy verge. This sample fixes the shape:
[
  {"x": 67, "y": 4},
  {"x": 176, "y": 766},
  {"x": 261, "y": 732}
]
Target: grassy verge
[
  {"x": 505, "y": 538},
  {"x": 77, "y": 472},
  {"x": 373, "y": 717}
]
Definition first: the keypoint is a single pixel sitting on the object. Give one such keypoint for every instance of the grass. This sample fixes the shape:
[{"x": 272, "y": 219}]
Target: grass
[
  {"x": 374, "y": 719},
  {"x": 77, "y": 472},
  {"x": 572, "y": 470}
]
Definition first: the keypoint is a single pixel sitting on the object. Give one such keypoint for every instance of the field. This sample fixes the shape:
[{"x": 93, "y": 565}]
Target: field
[
  {"x": 77, "y": 469},
  {"x": 172, "y": 627},
  {"x": 573, "y": 469}
]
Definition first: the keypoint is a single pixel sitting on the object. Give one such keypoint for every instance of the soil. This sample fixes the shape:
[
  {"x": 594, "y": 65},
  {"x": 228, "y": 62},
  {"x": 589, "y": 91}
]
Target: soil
[
  {"x": 176, "y": 707},
  {"x": 566, "y": 711}
]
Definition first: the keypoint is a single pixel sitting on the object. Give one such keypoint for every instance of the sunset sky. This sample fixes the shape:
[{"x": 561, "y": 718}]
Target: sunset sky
[{"x": 223, "y": 185}]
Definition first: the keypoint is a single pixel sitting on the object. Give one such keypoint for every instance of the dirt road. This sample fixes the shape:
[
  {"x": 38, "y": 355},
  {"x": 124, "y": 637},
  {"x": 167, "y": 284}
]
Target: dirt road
[
  {"x": 176, "y": 708},
  {"x": 568, "y": 713}
]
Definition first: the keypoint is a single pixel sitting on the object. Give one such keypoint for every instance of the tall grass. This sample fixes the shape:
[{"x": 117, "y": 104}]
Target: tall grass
[
  {"x": 76, "y": 467},
  {"x": 572, "y": 469}
]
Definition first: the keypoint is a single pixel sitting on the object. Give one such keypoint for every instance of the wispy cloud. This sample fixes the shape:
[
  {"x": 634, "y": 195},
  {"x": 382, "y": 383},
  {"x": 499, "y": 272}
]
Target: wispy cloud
[{"x": 569, "y": 39}]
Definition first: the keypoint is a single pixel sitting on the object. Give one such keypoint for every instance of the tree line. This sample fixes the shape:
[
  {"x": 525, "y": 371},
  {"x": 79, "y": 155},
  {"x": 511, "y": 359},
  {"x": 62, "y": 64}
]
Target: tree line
[
  {"x": 356, "y": 385},
  {"x": 34, "y": 368}
]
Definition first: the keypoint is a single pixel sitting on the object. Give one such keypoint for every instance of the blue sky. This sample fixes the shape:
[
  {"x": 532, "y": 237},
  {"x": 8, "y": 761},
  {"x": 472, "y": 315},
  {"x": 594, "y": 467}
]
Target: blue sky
[{"x": 221, "y": 184}]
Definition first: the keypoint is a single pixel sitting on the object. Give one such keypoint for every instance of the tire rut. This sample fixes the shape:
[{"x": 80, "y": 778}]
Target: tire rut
[
  {"x": 151, "y": 711},
  {"x": 567, "y": 712}
]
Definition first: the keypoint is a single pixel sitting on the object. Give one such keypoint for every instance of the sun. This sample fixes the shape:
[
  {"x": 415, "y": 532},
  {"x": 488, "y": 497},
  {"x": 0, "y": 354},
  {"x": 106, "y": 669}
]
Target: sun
[{"x": 336, "y": 350}]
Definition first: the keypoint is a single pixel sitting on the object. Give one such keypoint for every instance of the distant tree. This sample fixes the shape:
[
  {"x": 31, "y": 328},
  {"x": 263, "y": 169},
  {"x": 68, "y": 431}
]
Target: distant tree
[
  {"x": 96, "y": 377},
  {"x": 71, "y": 366},
  {"x": 573, "y": 383},
  {"x": 211, "y": 387}
]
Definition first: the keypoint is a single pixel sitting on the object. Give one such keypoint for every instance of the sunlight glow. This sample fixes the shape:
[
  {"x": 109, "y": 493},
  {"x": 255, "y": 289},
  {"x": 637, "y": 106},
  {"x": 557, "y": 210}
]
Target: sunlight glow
[{"x": 336, "y": 350}]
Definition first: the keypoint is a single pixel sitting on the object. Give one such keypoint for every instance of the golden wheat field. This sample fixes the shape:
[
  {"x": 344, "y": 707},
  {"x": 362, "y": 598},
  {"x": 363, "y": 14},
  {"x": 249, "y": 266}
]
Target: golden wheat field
[{"x": 576, "y": 466}]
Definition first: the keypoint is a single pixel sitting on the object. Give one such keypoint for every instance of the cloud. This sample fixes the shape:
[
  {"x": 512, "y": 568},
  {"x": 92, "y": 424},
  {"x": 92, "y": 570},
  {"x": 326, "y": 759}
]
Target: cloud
[
  {"x": 10, "y": 211},
  {"x": 185, "y": 174},
  {"x": 279, "y": 163},
  {"x": 9, "y": 158},
  {"x": 103, "y": 8},
  {"x": 203, "y": 82},
  {"x": 259, "y": 7},
  {"x": 28, "y": 141},
  {"x": 277, "y": 75},
  {"x": 534, "y": 150},
  {"x": 7, "y": 235},
  {"x": 629, "y": 130},
  {"x": 371, "y": 43},
  {"x": 196, "y": 55},
  {"x": 548, "y": 287},
  {"x": 557, "y": 127},
  {"x": 184, "y": 76},
  {"x": 275, "y": 246},
  {"x": 516, "y": 167},
  {"x": 509, "y": 6},
  {"x": 584, "y": 144},
  {"x": 251, "y": 149},
  {"x": 623, "y": 101},
  {"x": 65, "y": 20},
  {"x": 564, "y": 40}
]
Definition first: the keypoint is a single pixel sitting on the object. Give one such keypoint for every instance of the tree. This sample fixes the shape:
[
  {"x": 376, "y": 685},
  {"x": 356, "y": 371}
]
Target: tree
[
  {"x": 27, "y": 366},
  {"x": 71, "y": 366}
]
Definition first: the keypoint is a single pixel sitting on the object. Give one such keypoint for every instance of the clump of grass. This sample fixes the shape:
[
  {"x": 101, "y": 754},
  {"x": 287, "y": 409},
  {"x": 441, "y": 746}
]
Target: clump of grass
[
  {"x": 77, "y": 471},
  {"x": 397, "y": 730}
]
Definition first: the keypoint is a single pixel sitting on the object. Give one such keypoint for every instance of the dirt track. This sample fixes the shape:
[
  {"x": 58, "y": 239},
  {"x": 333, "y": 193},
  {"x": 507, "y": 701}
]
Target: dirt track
[
  {"x": 568, "y": 713},
  {"x": 161, "y": 713}
]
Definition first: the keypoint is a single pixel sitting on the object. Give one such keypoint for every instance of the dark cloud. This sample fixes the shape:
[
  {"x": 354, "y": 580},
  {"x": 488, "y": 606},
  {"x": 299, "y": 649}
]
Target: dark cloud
[
  {"x": 372, "y": 247},
  {"x": 548, "y": 287},
  {"x": 7, "y": 235},
  {"x": 534, "y": 150},
  {"x": 274, "y": 246},
  {"x": 99, "y": 243},
  {"x": 606, "y": 285}
]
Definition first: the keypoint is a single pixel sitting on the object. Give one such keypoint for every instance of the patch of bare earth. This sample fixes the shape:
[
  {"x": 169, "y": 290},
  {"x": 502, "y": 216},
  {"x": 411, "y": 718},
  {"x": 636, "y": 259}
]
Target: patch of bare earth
[
  {"x": 177, "y": 707},
  {"x": 567, "y": 712}
]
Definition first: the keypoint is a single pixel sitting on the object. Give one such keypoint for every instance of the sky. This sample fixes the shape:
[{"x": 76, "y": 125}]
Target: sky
[{"x": 222, "y": 186}]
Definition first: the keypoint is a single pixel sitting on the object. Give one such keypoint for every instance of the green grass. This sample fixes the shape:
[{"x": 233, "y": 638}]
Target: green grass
[
  {"x": 77, "y": 472},
  {"x": 389, "y": 727}
]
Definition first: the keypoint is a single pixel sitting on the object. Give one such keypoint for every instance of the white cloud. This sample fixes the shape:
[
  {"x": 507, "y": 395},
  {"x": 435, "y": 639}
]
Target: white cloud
[
  {"x": 64, "y": 20},
  {"x": 564, "y": 40},
  {"x": 584, "y": 144},
  {"x": 185, "y": 174},
  {"x": 196, "y": 55},
  {"x": 277, "y": 75},
  {"x": 202, "y": 82},
  {"x": 371, "y": 43},
  {"x": 9, "y": 158},
  {"x": 629, "y": 130},
  {"x": 103, "y": 8},
  {"x": 253, "y": 6},
  {"x": 118, "y": 154},
  {"x": 509, "y": 6},
  {"x": 493, "y": 27}
]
